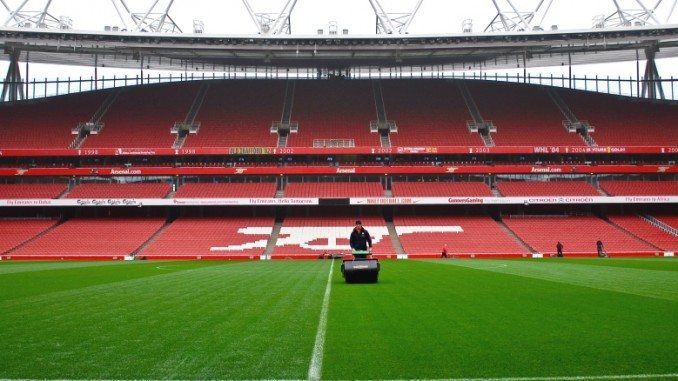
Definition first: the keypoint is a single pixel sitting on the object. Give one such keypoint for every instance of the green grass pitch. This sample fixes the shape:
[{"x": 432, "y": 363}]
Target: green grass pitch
[{"x": 549, "y": 319}]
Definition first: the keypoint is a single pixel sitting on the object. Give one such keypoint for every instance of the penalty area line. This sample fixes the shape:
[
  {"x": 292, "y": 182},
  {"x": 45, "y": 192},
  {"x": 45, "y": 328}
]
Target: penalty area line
[{"x": 317, "y": 358}]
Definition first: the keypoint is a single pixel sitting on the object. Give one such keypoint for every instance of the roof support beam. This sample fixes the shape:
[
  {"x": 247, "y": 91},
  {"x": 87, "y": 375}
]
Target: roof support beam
[
  {"x": 158, "y": 22},
  {"x": 13, "y": 14},
  {"x": 393, "y": 23},
  {"x": 513, "y": 20},
  {"x": 644, "y": 15},
  {"x": 41, "y": 20},
  {"x": 117, "y": 10},
  {"x": 38, "y": 19},
  {"x": 272, "y": 23}
]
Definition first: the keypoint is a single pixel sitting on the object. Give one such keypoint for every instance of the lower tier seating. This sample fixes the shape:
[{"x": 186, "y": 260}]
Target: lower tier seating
[
  {"x": 16, "y": 232},
  {"x": 578, "y": 235},
  {"x": 463, "y": 235},
  {"x": 213, "y": 236},
  {"x": 94, "y": 236},
  {"x": 318, "y": 235},
  {"x": 644, "y": 230},
  {"x": 671, "y": 221}
]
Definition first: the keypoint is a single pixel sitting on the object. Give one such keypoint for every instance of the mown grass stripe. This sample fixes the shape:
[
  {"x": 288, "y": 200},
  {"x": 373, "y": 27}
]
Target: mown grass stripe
[
  {"x": 315, "y": 369},
  {"x": 634, "y": 278},
  {"x": 259, "y": 320},
  {"x": 557, "y": 378}
]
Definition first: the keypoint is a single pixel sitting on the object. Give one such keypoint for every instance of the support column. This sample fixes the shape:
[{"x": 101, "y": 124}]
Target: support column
[
  {"x": 652, "y": 86},
  {"x": 12, "y": 89},
  {"x": 96, "y": 72}
]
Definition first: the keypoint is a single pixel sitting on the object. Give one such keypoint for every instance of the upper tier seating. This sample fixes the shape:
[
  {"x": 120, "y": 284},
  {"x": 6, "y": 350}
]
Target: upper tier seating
[
  {"x": 338, "y": 110},
  {"x": 523, "y": 115},
  {"x": 639, "y": 188},
  {"x": 428, "y": 113},
  {"x": 623, "y": 122},
  {"x": 478, "y": 235},
  {"x": 95, "y": 236},
  {"x": 226, "y": 190},
  {"x": 239, "y": 113},
  {"x": 644, "y": 230},
  {"x": 577, "y": 234},
  {"x": 46, "y": 123},
  {"x": 334, "y": 190},
  {"x": 18, "y": 191},
  {"x": 551, "y": 188},
  {"x": 142, "y": 117},
  {"x": 440, "y": 189},
  {"x": 213, "y": 236},
  {"x": 317, "y": 235},
  {"x": 16, "y": 232},
  {"x": 133, "y": 190}
]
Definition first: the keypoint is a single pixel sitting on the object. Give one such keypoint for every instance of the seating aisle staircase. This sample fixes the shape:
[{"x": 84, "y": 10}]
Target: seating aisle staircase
[
  {"x": 572, "y": 123},
  {"x": 272, "y": 239},
  {"x": 484, "y": 128},
  {"x": 379, "y": 101},
  {"x": 189, "y": 120},
  {"x": 513, "y": 235},
  {"x": 35, "y": 237},
  {"x": 660, "y": 225},
  {"x": 83, "y": 131},
  {"x": 285, "y": 119},
  {"x": 153, "y": 237},
  {"x": 395, "y": 240},
  {"x": 384, "y": 129},
  {"x": 631, "y": 234}
]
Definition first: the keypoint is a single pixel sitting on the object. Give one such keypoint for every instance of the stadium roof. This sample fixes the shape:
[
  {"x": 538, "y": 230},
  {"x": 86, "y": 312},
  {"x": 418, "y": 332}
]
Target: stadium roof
[{"x": 508, "y": 50}]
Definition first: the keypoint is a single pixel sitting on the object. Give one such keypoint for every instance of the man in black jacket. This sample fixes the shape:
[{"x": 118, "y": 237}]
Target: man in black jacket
[{"x": 360, "y": 238}]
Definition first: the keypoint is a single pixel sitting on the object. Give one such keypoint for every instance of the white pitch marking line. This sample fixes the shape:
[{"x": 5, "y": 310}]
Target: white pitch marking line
[
  {"x": 317, "y": 359},
  {"x": 166, "y": 267}
]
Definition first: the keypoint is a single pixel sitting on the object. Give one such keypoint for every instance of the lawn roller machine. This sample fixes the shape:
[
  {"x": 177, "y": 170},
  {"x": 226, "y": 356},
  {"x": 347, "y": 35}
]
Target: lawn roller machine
[{"x": 361, "y": 268}]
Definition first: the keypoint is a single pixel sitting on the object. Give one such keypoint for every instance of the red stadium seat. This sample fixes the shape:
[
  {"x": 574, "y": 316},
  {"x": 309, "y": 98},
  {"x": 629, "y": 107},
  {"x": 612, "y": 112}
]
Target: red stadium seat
[
  {"x": 226, "y": 190},
  {"x": 333, "y": 110},
  {"x": 334, "y": 190},
  {"x": 133, "y": 190},
  {"x": 212, "y": 236},
  {"x": 578, "y": 235},
  {"x": 463, "y": 235},
  {"x": 239, "y": 114},
  {"x": 19, "y": 191},
  {"x": 142, "y": 117},
  {"x": 93, "y": 237},
  {"x": 550, "y": 188}
]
